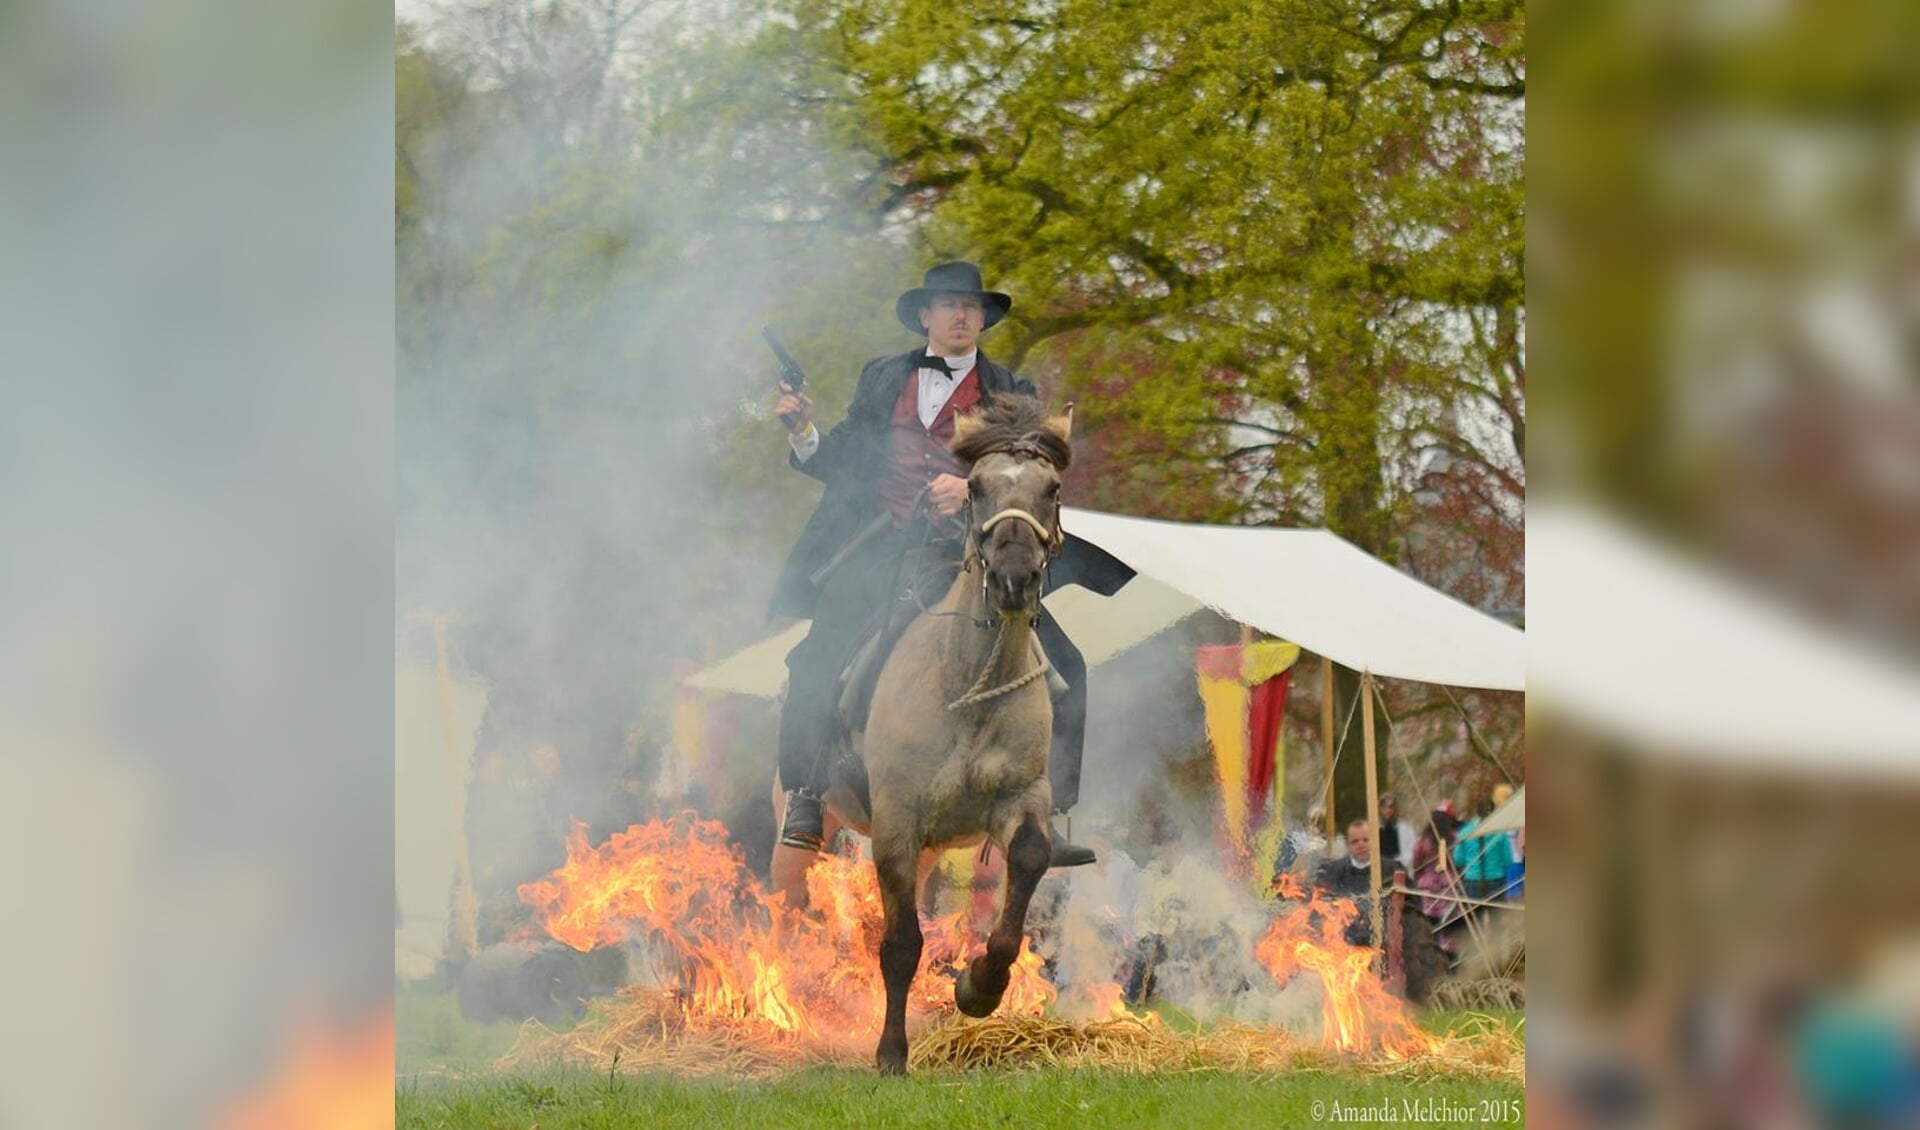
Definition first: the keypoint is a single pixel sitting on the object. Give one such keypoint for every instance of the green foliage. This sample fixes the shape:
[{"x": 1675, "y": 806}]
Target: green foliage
[{"x": 1278, "y": 216}]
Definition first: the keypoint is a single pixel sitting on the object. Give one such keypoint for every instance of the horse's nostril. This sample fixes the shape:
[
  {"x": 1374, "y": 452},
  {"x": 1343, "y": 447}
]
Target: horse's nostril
[{"x": 1016, "y": 588}]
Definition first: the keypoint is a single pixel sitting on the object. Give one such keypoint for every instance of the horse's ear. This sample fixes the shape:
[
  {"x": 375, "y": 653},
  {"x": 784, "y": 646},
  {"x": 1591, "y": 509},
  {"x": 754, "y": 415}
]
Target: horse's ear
[{"x": 1062, "y": 425}]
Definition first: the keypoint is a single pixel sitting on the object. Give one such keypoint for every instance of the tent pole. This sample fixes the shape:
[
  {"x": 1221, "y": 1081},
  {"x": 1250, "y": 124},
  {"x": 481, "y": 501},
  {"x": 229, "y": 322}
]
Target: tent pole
[
  {"x": 1326, "y": 745},
  {"x": 1373, "y": 806}
]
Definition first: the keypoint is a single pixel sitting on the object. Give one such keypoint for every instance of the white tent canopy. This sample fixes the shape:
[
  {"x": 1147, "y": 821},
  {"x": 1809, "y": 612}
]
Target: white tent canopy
[
  {"x": 1321, "y": 592},
  {"x": 758, "y": 670},
  {"x": 1306, "y": 586},
  {"x": 1101, "y": 627},
  {"x": 1642, "y": 645}
]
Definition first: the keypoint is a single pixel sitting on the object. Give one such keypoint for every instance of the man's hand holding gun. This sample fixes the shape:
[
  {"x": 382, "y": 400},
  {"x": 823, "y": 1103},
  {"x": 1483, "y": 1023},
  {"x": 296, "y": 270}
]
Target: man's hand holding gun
[
  {"x": 795, "y": 410},
  {"x": 796, "y": 407}
]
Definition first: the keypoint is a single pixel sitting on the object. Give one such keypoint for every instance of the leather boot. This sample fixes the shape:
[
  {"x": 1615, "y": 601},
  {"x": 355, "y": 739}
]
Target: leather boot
[
  {"x": 805, "y": 825},
  {"x": 1065, "y": 852}
]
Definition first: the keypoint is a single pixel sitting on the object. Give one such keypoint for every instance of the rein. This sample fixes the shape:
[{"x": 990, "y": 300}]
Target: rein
[{"x": 975, "y": 695}]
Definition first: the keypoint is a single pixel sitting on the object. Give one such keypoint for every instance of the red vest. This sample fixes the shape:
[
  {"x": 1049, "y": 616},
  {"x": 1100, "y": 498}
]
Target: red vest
[{"x": 917, "y": 453}]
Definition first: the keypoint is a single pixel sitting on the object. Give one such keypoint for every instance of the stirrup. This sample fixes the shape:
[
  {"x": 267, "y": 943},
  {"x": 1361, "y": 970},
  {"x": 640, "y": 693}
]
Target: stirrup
[{"x": 805, "y": 825}]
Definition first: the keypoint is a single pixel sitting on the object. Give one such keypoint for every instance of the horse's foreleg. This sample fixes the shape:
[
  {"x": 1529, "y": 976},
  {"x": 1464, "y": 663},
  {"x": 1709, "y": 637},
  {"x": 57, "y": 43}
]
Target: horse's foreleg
[
  {"x": 899, "y": 948},
  {"x": 980, "y": 986}
]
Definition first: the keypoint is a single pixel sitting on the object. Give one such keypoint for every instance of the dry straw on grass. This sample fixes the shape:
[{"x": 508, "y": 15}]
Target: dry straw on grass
[
  {"x": 1487, "y": 992},
  {"x": 644, "y": 1031},
  {"x": 1143, "y": 1044},
  {"x": 1134, "y": 1044}
]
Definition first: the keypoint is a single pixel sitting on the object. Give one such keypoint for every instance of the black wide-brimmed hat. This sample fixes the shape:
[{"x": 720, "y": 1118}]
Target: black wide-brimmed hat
[{"x": 949, "y": 278}]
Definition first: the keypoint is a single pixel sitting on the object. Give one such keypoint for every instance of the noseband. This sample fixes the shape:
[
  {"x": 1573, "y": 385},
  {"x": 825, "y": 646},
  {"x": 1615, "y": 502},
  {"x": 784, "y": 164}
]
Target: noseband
[{"x": 1049, "y": 538}]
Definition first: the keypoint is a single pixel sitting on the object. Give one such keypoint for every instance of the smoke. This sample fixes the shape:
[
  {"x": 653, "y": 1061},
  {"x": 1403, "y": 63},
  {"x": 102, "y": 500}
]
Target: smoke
[
  {"x": 591, "y": 492},
  {"x": 1144, "y": 718},
  {"x": 193, "y": 737},
  {"x": 1177, "y": 928}
]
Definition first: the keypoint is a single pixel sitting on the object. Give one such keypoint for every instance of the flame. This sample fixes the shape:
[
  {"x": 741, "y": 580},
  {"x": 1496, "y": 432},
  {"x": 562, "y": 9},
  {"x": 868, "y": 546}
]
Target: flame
[
  {"x": 1358, "y": 1013},
  {"x": 738, "y": 956},
  {"x": 329, "y": 1080},
  {"x": 1097, "y": 1001}
]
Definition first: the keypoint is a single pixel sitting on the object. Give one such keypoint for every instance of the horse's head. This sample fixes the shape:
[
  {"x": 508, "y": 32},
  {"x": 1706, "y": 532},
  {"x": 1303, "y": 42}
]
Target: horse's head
[{"x": 1015, "y": 452}]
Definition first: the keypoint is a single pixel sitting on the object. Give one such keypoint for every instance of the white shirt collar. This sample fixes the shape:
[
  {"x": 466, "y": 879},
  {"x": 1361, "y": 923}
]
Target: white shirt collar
[{"x": 960, "y": 365}]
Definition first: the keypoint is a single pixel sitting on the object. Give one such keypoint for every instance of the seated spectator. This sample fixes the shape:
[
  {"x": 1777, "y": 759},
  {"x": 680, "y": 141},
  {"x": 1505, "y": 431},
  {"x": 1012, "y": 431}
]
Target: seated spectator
[{"x": 1351, "y": 876}]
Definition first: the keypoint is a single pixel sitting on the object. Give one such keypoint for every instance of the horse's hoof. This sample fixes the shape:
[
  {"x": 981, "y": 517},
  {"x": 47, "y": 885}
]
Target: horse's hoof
[
  {"x": 891, "y": 1056},
  {"x": 970, "y": 1002}
]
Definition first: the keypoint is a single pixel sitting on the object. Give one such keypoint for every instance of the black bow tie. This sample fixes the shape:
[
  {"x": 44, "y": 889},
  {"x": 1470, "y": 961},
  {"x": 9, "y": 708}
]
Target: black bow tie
[{"x": 929, "y": 361}]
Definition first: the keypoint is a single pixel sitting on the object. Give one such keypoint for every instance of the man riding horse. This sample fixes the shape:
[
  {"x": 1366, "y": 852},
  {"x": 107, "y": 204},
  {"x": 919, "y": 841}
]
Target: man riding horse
[{"x": 853, "y": 569}]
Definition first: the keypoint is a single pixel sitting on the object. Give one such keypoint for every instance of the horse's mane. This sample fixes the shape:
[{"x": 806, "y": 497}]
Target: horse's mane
[{"x": 1011, "y": 422}]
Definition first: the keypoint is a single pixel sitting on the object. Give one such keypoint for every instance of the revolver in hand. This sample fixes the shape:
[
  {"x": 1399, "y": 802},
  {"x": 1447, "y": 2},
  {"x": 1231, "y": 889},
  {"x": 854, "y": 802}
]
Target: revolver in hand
[{"x": 792, "y": 378}]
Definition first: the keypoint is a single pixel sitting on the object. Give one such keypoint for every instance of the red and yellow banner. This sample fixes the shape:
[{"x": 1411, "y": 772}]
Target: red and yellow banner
[{"x": 1244, "y": 690}]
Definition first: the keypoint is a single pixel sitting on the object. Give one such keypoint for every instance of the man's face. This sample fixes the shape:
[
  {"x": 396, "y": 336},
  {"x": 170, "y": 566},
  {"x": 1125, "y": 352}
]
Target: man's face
[
  {"x": 1359, "y": 846},
  {"x": 953, "y": 323},
  {"x": 1389, "y": 811}
]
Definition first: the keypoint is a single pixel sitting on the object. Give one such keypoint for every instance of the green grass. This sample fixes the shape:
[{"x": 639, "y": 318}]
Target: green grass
[
  {"x": 1449, "y": 1022},
  {"x": 838, "y": 1098},
  {"x": 446, "y": 1083},
  {"x": 430, "y": 1035}
]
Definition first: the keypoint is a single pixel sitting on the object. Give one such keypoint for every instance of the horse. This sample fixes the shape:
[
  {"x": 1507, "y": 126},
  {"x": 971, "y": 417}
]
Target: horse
[{"x": 959, "y": 724}]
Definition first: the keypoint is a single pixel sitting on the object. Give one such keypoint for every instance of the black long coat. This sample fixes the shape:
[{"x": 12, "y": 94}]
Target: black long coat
[{"x": 851, "y": 461}]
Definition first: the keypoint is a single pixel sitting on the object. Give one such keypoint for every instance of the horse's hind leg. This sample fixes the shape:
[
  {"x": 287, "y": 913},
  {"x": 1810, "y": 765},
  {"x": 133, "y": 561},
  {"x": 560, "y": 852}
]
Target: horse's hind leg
[
  {"x": 980, "y": 986},
  {"x": 895, "y": 862}
]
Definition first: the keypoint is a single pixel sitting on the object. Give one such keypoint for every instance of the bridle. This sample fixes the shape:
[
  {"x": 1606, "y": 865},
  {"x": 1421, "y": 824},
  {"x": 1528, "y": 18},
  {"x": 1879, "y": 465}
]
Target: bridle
[{"x": 1052, "y": 537}]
